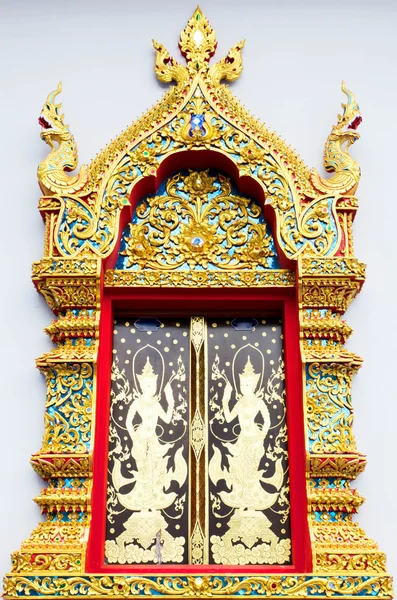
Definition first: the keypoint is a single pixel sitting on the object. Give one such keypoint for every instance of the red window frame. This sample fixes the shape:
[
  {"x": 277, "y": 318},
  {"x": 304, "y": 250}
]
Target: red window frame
[{"x": 211, "y": 303}]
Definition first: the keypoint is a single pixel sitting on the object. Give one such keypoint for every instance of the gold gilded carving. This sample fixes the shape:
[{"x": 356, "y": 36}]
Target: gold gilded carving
[
  {"x": 198, "y": 222},
  {"x": 337, "y": 159},
  {"x": 61, "y": 294},
  {"x": 315, "y": 351},
  {"x": 336, "y": 465},
  {"x": 328, "y": 408},
  {"x": 167, "y": 68},
  {"x": 249, "y": 278},
  {"x": 316, "y": 324},
  {"x": 236, "y": 112},
  {"x": 372, "y": 562},
  {"x": 230, "y": 67},
  {"x": 198, "y": 553},
  {"x": 49, "y": 267},
  {"x": 198, "y": 42},
  {"x": 22, "y": 562},
  {"x": 72, "y": 497},
  {"x": 56, "y": 534},
  {"x": 343, "y": 536},
  {"x": 68, "y": 413},
  {"x": 329, "y": 293},
  {"x": 67, "y": 465},
  {"x": 335, "y": 266},
  {"x": 71, "y": 350},
  {"x": 70, "y": 325},
  {"x": 249, "y": 538},
  {"x": 53, "y": 171},
  {"x": 324, "y": 499},
  {"x": 303, "y": 228},
  {"x": 202, "y": 586},
  {"x": 145, "y": 537}
]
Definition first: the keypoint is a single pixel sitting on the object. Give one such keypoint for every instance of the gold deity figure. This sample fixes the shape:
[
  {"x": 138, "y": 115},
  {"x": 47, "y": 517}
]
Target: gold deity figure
[
  {"x": 244, "y": 477},
  {"x": 152, "y": 478}
]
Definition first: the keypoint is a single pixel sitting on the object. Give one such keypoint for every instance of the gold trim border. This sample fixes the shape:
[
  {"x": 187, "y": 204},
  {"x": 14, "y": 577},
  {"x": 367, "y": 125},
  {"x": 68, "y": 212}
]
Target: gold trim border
[
  {"x": 199, "y": 586},
  {"x": 216, "y": 278}
]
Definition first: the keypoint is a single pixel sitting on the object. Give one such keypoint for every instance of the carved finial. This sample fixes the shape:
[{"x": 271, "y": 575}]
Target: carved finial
[
  {"x": 167, "y": 68},
  {"x": 229, "y": 67},
  {"x": 50, "y": 116},
  {"x": 351, "y": 111},
  {"x": 53, "y": 171},
  {"x": 198, "y": 42},
  {"x": 337, "y": 159}
]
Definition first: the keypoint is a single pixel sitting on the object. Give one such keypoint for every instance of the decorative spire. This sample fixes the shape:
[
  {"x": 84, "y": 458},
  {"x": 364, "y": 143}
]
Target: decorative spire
[
  {"x": 198, "y": 42},
  {"x": 249, "y": 374},
  {"x": 248, "y": 369},
  {"x": 147, "y": 372}
]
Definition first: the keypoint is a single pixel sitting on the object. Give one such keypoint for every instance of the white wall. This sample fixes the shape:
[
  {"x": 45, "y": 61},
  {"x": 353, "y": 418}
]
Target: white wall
[{"x": 295, "y": 57}]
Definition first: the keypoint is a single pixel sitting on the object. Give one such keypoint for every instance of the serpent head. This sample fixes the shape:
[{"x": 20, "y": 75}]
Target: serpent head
[
  {"x": 51, "y": 119},
  {"x": 349, "y": 120}
]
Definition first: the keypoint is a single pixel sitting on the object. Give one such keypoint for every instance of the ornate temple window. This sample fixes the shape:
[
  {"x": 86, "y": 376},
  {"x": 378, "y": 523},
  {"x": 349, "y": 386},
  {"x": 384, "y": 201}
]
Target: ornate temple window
[
  {"x": 198, "y": 468},
  {"x": 198, "y": 422}
]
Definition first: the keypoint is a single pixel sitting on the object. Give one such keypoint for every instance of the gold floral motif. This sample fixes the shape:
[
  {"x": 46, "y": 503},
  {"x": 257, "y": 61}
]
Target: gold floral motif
[
  {"x": 316, "y": 350},
  {"x": 328, "y": 408},
  {"x": 198, "y": 42},
  {"x": 271, "y": 278},
  {"x": 68, "y": 413},
  {"x": 199, "y": 222},
  {"x": 56, "y": 536},
  {"x": 65, "y": 266},
  {"x": 61, "y": 294},
  {"x": 371, "y": 562},
  {"x": 28, "y": 562},
  {"x": 329, "y": 293},
  {"x": 336, "y": 465},
  {"x": 187, "y": 133},
  {"x": 71, "y": 350},
  {"x": 67, "y": 465},
  {"x": 201, "y": 586},
  {"x": 313, "y": 217},
  {"x": 333, "y": 266},
  {"x": 345, "y": 536}
]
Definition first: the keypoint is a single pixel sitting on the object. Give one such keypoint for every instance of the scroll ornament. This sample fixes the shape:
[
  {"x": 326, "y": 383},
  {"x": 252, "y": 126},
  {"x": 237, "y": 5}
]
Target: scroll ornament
[{"x": 199, "y": 112}]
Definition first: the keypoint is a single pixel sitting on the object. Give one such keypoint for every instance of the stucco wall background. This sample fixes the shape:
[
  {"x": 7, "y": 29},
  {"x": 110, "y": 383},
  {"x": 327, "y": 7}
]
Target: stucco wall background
[{"x": 295, "y": 57}]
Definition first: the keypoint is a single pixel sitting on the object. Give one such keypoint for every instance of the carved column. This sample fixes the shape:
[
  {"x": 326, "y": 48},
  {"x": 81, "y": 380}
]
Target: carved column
[
  {"x": 327, "y": 286},
  {"x": 71, "y": 289}
]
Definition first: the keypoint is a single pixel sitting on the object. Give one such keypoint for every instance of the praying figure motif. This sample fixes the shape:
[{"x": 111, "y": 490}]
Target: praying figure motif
[
  {"x": 244, "y": 477},
  {"x": 151, "y": 476},
  {"x": 148, "y": 478},
  {"x": 237, "y": 463}
]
